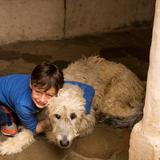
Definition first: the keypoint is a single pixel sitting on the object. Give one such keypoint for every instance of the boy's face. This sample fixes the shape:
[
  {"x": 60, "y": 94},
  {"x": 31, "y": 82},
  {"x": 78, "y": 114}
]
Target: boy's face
[{"x": 41, "y": 97}]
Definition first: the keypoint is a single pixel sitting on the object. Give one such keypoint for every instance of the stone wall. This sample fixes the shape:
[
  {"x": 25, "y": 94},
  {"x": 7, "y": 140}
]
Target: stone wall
[{"x": 22, "y": 20}]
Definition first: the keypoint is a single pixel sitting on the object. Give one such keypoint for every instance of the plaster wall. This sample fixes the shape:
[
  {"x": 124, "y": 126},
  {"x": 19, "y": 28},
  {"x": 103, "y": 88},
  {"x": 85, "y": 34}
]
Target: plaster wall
[
  {"x": 98, "y": 16},
  {"x": 22, "y": 20}
]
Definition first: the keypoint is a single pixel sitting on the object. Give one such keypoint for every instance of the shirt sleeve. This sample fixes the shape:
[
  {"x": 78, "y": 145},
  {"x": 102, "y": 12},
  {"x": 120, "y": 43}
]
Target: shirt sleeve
[{"x": 27, "y": 118}]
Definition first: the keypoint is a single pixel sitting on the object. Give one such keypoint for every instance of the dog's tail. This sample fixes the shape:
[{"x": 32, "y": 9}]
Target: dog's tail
[
  {"x": 127, "y": 121},
  {"x": 124, "y": 122},
  {"x": 18, "y": 143}
]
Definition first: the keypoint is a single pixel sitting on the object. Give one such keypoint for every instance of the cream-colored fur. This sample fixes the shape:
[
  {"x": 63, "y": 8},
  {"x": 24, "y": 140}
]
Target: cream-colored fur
[
  {"x": 17, "y": 143},
  {"x": 118, "y": 96},
  {"x": 119, "y": 93}
]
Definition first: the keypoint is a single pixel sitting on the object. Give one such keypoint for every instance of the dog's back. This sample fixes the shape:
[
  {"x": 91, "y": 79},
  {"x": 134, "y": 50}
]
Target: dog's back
[{"x": 119, "y": 94}]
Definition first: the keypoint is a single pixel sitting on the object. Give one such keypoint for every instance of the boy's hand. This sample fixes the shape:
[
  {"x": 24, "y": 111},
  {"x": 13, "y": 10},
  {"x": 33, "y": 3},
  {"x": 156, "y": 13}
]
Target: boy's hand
[{"x": 40, "y": 127}]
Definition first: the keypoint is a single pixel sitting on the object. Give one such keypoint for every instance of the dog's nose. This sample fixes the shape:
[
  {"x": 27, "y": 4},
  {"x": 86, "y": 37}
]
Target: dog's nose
[{"x": 64, "y": 142}]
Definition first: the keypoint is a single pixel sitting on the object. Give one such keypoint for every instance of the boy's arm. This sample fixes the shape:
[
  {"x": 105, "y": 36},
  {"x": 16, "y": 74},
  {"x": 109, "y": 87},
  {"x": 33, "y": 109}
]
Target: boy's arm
[{"x": 29, "y": 120}]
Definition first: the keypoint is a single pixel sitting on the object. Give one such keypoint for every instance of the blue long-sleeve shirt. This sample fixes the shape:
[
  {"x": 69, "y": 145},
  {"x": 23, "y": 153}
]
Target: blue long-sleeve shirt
[{"x": 16, "y": 94}]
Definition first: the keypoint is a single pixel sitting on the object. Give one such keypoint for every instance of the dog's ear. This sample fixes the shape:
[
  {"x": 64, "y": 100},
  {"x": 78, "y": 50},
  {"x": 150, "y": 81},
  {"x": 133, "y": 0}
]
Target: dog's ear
[
  {"x": 87, "y": 123},
  {"x": 48, "y": 126}
]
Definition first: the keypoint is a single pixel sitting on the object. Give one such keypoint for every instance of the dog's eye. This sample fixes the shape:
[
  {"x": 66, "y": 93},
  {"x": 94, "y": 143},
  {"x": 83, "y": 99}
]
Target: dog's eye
[
  {"x": 57, "y": 116},
  {"x": 73, "y": 116}
]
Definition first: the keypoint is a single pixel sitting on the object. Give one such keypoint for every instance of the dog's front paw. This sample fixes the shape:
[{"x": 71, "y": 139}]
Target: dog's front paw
[
  {"x": 17, "y": 143},
  {"x": 8, "y": 147}
]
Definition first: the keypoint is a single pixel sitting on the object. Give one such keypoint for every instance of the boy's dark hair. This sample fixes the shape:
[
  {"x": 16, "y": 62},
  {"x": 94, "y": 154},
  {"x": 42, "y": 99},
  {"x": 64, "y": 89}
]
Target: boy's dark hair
[{"x": 47, "y": 75}]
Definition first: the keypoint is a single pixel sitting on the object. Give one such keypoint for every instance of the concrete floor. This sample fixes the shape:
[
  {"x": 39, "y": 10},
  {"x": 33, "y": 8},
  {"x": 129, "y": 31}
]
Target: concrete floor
[{"x": 130, "y": 48}]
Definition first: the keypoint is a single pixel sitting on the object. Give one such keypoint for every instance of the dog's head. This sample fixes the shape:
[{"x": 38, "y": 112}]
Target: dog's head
[{"x": 67, "y": 116}]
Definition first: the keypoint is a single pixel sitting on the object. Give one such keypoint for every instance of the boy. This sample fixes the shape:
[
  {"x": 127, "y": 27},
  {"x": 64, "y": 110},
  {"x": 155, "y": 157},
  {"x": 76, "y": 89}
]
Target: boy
[{"x": 25, "y": 94}]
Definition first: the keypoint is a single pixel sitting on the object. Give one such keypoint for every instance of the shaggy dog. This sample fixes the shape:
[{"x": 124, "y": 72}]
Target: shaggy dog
[{"x": 118, "y": 96}]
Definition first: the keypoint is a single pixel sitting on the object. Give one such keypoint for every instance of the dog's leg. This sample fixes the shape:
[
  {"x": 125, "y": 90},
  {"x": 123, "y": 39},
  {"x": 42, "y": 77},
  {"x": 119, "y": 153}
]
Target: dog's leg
[{"x": 18, "y": 143}]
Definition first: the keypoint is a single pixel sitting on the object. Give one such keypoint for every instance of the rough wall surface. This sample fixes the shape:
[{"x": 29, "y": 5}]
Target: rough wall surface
[
  {"x": 22, "y": 20},
  {"x": 144, "y": 10},
  {"x": 30, "y": 20},
  {"x": 88, "y": 17}
]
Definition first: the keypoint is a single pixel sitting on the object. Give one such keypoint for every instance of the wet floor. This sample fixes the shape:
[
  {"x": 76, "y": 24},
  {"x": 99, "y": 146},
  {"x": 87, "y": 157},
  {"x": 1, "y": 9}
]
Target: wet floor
[{"x": 130, "y": 48}]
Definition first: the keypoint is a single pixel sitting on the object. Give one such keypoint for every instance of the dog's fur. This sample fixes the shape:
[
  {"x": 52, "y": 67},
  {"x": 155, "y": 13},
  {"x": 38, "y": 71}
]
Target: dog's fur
[{"x": 118, "y": 96}]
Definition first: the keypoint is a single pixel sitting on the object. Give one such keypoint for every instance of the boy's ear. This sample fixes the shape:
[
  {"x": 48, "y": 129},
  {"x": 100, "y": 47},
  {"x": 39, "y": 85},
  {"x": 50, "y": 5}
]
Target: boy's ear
[{"x": 30, "y": 84}]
